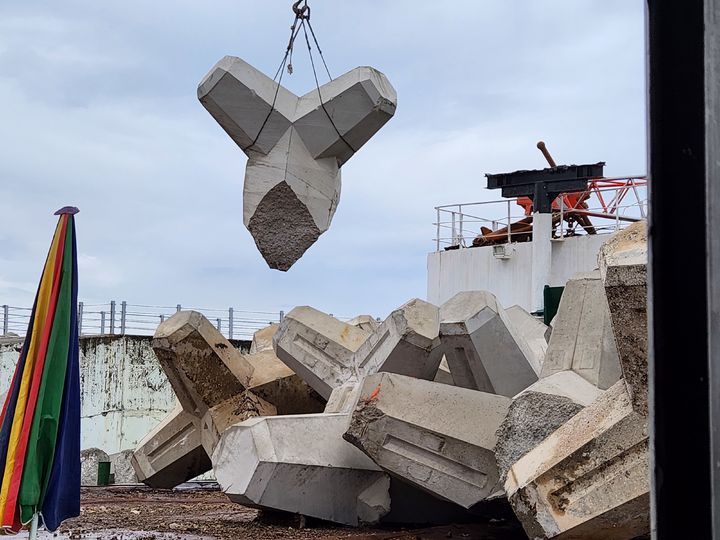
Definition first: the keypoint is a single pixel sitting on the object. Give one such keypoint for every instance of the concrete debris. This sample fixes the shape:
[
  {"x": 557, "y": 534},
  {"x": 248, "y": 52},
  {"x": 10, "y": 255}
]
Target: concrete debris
[
  {"x": 122, "y": 469},
  {"x": 589, "y": 479},
  {"x": 582, "y": 336},
  {"x": 301, "y": 464},
  {"x": 482, "y": 348},
  {"x": 295, "y": 147},
  {"x": 533, "y": 331},
  {"x": 318, "y": 347},
  {"x": 90, "y": 458},
  {"x": 412, "y": 429},
  {"x": 567, "y": 384},
  {"x": 364, "y": 322},
  {"x": 623, "y": 265}
]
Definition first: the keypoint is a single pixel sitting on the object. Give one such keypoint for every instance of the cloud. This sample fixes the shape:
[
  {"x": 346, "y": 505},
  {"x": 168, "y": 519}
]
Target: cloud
[{"x": 99, "y": 110}]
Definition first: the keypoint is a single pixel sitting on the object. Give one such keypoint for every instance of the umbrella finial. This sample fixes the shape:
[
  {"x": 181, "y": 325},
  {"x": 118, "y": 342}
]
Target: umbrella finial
[{"x": 72, "y": 210}]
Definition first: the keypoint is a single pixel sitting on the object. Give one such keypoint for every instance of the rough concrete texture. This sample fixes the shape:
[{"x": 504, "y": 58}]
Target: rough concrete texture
[
  {"x": 482, "y": 348},
  {"x": 301, "y": 464},
  {"x": 364, "y": 322},
  {"x": 318, "y": 347},
  {"x": 532, "y": 330},
  {"x": 89, "y": 459},
  {"x": 567, "y": 384},
  {"x": 172, "y": 453},
  {"x": 295, "y": 149},
  {"x": 343, "y": 398},
  {"x": 122, "y": 469},
  {"x": 589, "y": 479},
  {"x": 531, "y": 418},
  {"x": 623, "y": 266},
  {"x": 407, "y": 342},
  {"x": 231, "y": 411},
  {"x": 412, "y": 429},
  {"x": 582, "y": 337},
  {"x": 263, "y": 339}
]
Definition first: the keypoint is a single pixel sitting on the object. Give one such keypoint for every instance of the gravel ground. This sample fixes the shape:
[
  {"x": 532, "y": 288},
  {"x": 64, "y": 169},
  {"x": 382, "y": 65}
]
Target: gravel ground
[{"x": 140, "y": 513}]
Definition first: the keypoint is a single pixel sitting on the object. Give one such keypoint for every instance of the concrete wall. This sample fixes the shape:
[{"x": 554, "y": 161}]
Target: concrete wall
[
  {"x": 450, "y": 272},
  {"x": 124, "y": 391}
]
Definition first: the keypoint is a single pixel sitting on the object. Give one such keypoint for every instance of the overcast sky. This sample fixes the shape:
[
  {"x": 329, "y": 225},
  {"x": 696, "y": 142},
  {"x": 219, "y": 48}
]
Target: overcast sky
[{"x": 99, "y": 110}]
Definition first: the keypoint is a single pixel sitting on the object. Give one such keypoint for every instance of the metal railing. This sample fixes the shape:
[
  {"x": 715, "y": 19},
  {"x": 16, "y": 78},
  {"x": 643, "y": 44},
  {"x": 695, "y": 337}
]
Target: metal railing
[
  {"x": 119, "y": 318},
  {"x": 612, "y": 204}
]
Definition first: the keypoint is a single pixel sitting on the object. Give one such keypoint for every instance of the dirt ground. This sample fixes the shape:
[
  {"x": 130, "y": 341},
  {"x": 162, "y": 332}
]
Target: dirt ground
[{"x": 140, "y": 513}]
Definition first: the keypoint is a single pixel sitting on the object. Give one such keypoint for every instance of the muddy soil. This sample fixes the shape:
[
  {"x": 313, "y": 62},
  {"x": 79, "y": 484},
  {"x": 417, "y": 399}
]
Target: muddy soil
[{"x": 140, "y": 513}]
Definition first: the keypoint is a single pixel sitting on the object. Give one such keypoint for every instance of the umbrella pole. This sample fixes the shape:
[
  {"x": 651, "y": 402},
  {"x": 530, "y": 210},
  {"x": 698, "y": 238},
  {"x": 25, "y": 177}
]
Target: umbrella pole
[{"x": 34, "y": 526}]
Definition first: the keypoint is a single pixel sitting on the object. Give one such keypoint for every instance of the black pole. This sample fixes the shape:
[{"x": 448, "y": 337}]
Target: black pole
[{"x": 678, "y": 284}]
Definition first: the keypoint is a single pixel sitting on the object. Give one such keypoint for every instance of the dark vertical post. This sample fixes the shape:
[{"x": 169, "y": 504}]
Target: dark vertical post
[
  {"x": 712, "y": 160},
  {"x": 678, "y": 286}
]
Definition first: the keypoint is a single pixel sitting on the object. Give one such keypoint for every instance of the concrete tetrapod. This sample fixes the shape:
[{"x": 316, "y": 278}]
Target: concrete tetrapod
[
  {"x": 416, "y": 431},
  {"x": 301, "y": 464},
  {"x": 318, "y": 347},
  {"x": 295, "y": 147},
  {"x": 216, "y": 386},
  {"x": 582, "y": 337},
  {"x": 327, "y": 353},
  {"x": 623, "y": 266},
  {"x": 482, "y": 348},
  {"x": 590, "y": 478}
]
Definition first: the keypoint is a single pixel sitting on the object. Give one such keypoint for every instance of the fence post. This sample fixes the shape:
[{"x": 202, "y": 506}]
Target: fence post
[
  {"x": 179, "y": 307},
  {"x": 162, "y": 319},
  {"x": 230, "y": 322},
  {"x": 123, "y": 316},
  {"x": 112, "y": 317},
  {"x": 102, "y": 323},
  {"x": 437, "y": 230},
  {"x": 509, "y": 228},
  {"x": 80, "y": 317},
  {"x": 219, "y": 324},
  {"x": 282, "y": 315},
  {"x": 6, "y": 309}
]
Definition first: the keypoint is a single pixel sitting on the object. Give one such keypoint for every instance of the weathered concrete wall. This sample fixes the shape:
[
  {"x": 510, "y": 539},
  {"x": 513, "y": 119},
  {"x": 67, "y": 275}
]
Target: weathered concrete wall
[
  {"x": 451, "y": 272},
  {"x": 125, "y": 393}
]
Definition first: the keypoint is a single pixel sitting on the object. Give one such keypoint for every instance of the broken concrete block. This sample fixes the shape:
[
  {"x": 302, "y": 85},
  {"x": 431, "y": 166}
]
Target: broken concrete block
[
  {"x": 231, "y": 411},
  {"x": 122, "y": 469},
  {"x": 343, "y": 398},
  {"x": 482, "y": 348},
  {"x": 295, "y": 147},
  {"x": 589, "y": 478},
  {"x": 407, "y": 342},
  {"x": 623, "y": 266},
  {"x": 532, "y": 330},
  {"x": 364, "y": 322},
  {"x": 172, "y": 453},
  {"x": 263, "y": 339},
  {"x": 318, "y": 347},
  {"x": 301, "y": 464},
  {"x": 411, "y": 429},
  {"x": 582, "y": 338},
  {"x": 90, "y": 458}
]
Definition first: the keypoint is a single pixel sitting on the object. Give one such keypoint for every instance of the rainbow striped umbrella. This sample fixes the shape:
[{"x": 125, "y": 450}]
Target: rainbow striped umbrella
[{"x": 40, "y": 420}]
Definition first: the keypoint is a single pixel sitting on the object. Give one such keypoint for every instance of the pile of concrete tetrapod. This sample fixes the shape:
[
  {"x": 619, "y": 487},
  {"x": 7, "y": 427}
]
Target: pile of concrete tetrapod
[{"x": 429, "y": 415}]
